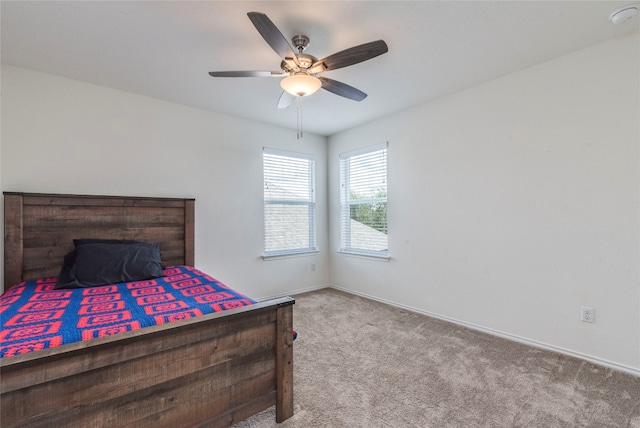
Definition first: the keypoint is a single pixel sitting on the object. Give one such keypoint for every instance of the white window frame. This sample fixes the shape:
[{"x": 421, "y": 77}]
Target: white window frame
[
  {"x": 309, "y": 200},
  {"x": 346, "y": 203}
]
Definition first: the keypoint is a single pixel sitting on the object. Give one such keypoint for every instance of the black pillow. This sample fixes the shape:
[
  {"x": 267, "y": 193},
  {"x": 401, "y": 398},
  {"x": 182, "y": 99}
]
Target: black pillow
[
  {"x": 84, "y": 241},
  {"x": 100, "y": 264},
  {"x": 70, "y": 258}
]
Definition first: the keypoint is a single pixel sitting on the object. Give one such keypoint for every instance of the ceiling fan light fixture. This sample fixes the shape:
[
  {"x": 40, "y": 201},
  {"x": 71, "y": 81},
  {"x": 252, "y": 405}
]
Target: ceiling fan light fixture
[{"x": 301, "y": 84}]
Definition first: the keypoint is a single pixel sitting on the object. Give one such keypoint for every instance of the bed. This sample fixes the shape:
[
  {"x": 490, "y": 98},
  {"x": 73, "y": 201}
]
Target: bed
[{"x": 213, "y": 370}]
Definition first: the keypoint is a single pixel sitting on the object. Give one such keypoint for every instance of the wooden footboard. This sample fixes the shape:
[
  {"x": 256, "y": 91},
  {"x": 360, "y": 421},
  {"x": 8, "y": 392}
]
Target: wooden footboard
[{"x": 209, "y": 371}]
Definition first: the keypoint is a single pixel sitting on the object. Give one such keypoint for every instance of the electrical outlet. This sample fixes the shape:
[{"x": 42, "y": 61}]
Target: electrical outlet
[
  {"x": 313, "y": 267},
  {"x": 587, "y": 314}
]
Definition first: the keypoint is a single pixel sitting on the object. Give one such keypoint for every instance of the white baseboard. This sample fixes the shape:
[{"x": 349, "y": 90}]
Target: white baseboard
[
  {"x": 293, "y": 293},
  {"x": 606, "y": 363}
]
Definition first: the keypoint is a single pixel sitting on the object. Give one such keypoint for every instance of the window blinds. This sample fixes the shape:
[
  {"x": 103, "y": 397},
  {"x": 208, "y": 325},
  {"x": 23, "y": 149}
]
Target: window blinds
[
  {"x": 363, "y": 220},
  {"x": 289, "y": 202}
]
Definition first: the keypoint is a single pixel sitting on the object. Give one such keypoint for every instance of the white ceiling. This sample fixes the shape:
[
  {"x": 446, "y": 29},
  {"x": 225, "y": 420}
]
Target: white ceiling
[{"x": 165, "y": 49}]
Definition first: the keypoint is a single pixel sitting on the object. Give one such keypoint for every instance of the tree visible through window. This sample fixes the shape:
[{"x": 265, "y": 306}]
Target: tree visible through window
[
  {"x": 363, "y": 181},
  {"x": 289, "y": 203}
]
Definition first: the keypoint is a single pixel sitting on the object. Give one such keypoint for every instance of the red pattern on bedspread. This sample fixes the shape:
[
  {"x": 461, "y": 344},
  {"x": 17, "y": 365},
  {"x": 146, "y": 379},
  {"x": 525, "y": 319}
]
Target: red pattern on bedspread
[{"x": 35, "y": 316}]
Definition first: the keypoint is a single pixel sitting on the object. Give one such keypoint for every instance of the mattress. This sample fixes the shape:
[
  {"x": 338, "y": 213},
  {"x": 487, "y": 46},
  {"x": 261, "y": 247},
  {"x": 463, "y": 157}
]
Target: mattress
[{"x": 34, "y": 315}]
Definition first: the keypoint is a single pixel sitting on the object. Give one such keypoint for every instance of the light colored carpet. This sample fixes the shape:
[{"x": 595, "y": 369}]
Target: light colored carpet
[{"x": 360, "y": 363}]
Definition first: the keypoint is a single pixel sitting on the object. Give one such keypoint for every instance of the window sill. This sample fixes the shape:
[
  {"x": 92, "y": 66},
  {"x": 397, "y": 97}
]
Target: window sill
[
  {"x": 366, "y": 256},
  {"x": 290, "y": 255}
]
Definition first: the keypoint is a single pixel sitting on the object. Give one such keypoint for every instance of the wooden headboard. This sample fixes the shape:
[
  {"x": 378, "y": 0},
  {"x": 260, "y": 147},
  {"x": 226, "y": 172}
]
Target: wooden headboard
[{"x": 39, "y": 228}]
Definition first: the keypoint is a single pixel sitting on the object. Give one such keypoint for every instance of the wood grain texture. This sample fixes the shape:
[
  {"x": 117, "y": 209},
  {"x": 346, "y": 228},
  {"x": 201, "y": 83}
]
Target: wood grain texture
[
  {"x": 40, "y": 228},
  {"x": 209, "y": 371},
  {"x": 189, "y": 232},
  {"x": 13, "y": 240},
  {"x": 284, "y": 364}
]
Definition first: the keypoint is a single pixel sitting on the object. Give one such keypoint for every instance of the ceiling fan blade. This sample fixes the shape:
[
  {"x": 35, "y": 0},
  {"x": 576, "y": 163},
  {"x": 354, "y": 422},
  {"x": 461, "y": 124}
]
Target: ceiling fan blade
[
  {"x": 342, "y": 89},
  {"x": 285, "y": 100},
  {"x": 255, "y": 73},
  {"x": 350, "y": 56},
  {"x": 272, "y": 35}
]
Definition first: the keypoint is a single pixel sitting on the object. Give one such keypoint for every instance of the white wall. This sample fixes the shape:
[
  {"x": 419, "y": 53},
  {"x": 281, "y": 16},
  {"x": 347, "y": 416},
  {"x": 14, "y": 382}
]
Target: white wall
[
  {"x": 65, "y": 136},
  {"x": 513, "y": 203}
]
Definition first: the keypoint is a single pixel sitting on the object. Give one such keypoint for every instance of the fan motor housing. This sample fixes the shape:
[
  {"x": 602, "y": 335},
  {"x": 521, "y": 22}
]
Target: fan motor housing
[{"x": 305, "y": 61}]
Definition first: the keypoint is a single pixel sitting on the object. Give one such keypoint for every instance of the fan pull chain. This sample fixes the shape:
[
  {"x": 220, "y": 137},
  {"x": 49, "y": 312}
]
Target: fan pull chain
[{"x": 299, "y": 116}]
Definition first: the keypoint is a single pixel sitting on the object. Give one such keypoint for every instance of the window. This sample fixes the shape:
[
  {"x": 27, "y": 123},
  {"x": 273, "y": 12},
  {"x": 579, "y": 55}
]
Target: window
[
  {"x": 363, "y": 201},
  {"x": 289, "y": 203}
]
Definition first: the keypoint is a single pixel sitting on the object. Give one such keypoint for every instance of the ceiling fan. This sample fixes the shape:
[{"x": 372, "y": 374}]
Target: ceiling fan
[{"x": 300, "y": 70}]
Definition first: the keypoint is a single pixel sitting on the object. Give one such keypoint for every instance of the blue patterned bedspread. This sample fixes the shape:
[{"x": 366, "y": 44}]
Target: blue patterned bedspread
[{"x": 34, "y": 315}]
